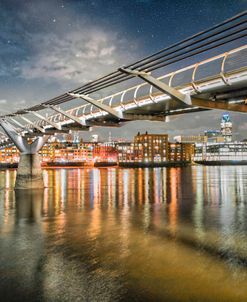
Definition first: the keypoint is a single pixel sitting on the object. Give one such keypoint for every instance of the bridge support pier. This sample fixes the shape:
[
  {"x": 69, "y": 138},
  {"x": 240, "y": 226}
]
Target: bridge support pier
[{"x": 29, "y": 172}]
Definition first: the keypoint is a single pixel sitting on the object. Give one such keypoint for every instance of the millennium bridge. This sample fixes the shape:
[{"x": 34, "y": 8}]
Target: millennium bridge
[{"x": 218, "y": 82}]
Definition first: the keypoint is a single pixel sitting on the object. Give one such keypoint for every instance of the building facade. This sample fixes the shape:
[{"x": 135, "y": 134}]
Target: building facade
[
  {"x": 191, "y": 138},
  {"x": 58, "y": 152},
  {"x": 180, "y": 152},
  {"x": 105, "y": 152},
  {"x": 154, "y": 149},
  {"x": 150, "y": 147},
  {"x": 221, "y": 152},
  {"x": 226, "y": 128},
  {"x": 125, "y": 152}
]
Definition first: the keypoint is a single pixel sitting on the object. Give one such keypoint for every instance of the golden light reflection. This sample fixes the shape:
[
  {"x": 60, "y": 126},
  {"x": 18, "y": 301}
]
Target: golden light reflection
[
  {"x": 148, "y": 194},
  {"x": 157, "y": 185},
  {"x": 140, "y": 182},
  {"x": 125, "y": 187},
  {"x": 173, "y": 208},
  {"x": 120, "y": 192},
  {"x": 132, "y": 185},
  {"x": 81, "y": 198},
  {"x": 111, "y": 186},
  {"x": 46, "y": 201},
  {"x": 64, "y": 180}
]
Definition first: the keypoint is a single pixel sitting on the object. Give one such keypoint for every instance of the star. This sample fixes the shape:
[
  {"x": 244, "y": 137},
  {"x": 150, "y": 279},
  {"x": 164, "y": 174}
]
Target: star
[{"x": 54, "y": 20}]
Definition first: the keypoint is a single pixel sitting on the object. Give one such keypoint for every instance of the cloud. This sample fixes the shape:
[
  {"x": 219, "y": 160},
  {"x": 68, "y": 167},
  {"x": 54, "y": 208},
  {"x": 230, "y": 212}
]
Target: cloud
[
  {"x": 243, "y": 126},
  {"x": 75, "y": 48},
  {"x": 78, "y": 56},
  {"x": 8, "y": 106}
]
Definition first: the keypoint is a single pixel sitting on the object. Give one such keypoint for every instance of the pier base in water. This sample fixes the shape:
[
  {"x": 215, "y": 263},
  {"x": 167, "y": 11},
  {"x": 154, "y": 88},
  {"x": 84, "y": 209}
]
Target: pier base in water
[{"x": 29, "y": 172}]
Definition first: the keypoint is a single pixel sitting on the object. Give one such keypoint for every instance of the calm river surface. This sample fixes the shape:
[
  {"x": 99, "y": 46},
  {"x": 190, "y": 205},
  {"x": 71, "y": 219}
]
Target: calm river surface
[{"x": 110, "y": 234}]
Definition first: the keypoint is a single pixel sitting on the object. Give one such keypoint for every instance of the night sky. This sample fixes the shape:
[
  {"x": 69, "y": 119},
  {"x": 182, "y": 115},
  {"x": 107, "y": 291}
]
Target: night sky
[{"x": 49, "y": 47}]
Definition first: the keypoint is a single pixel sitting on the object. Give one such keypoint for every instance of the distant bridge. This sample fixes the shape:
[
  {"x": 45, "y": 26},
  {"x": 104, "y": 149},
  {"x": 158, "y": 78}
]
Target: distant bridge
[{"x": 216, "y": 83}]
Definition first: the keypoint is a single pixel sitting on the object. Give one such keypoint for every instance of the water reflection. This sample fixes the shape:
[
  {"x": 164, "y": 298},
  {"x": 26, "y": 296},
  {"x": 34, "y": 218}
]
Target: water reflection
[
  {"x": 29, "y": 205},
  {"x": 126, "y": 235}
]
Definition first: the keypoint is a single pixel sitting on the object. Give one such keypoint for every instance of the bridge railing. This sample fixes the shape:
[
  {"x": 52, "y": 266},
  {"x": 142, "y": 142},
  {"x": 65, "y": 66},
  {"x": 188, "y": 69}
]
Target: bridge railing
[{"x": 219, "y": 67}]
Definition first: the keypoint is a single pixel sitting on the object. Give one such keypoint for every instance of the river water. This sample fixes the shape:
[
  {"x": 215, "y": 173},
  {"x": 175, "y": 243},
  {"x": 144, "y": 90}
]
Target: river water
[{"x": 111, "y": 234}]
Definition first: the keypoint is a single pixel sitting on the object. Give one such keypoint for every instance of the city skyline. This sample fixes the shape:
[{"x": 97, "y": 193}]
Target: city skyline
[{"x": 143, "y": 149}]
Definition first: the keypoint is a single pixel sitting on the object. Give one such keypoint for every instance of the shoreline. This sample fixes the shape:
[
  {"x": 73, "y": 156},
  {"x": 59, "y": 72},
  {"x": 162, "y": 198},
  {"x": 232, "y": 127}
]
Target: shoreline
[{"x": 66, "y": 165}]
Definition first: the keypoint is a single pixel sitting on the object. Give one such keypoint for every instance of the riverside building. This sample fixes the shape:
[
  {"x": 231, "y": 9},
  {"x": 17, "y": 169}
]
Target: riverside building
[
  {"x": 221, "y": 153},
  {"x": 219, "y": 149},
  {"x": 226, "y": 128},
  {"x": 209, "y": 136},
  {"x": 154, "y": 150},
  {"x": 151, "y": 147}
]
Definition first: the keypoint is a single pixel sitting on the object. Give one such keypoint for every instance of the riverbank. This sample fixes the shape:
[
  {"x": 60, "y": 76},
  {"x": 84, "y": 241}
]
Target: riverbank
[
  {"x": 153, "y": 165},
  {"x": 222, "y": 162},
  {"x": 4, "y": 166},
  {"x": 61, "y": 165}
]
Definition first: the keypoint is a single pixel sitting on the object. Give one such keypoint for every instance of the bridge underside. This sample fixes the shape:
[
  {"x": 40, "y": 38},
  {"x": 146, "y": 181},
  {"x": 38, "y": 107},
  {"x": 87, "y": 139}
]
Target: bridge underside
[{"x": 227, "y": 99}]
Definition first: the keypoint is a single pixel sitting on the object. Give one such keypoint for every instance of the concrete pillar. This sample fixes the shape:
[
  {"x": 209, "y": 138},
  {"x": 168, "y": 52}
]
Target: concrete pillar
[{"x": 29, "y": 172}]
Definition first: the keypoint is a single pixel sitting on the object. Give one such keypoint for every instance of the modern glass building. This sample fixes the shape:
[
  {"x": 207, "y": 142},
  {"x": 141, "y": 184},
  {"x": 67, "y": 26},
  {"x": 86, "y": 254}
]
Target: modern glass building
[{"x": 234, "y": 152}]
